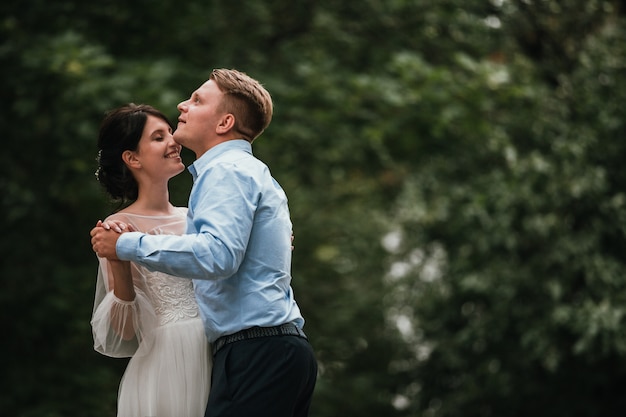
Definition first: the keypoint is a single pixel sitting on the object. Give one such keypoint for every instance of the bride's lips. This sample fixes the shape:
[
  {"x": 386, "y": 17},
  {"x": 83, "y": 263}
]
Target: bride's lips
[{"x": 171, "y": 155}]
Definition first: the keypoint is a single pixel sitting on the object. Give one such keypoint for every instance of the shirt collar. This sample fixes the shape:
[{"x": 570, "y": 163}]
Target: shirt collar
[{"x": 201, "y": 163}]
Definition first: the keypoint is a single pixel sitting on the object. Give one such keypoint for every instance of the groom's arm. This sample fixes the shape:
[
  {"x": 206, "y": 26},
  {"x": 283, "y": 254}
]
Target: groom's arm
[{"x": 196, "y": 256}]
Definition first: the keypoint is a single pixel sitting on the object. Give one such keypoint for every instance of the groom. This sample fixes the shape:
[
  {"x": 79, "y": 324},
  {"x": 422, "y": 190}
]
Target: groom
[{"x": 238, "y": 252}]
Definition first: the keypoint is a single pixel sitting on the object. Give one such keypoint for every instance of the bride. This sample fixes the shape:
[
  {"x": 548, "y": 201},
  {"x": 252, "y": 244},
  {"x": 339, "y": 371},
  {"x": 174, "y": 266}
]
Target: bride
[{"x": 149, "y": 316}]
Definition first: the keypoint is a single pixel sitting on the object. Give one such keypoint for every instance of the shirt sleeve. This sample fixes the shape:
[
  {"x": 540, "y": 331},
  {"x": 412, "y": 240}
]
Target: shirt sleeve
[
  {"x": 222, "y": 205},
  {"x": 121, "y": 328}
]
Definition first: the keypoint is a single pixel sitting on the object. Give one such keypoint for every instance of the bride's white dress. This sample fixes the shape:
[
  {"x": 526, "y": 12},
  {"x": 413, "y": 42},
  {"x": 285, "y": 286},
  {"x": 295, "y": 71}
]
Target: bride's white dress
[{"x": 170, "y": 369}]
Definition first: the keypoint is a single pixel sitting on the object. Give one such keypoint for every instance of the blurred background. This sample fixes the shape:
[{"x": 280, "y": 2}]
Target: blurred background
[{"x": 456, "y": 177}]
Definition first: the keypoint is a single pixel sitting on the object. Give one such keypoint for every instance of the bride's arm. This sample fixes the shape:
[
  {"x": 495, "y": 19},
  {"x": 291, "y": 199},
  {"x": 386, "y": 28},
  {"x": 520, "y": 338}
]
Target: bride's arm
[
  {"x": 121, "y": 283},
  {"x": 122, "y": 318}
]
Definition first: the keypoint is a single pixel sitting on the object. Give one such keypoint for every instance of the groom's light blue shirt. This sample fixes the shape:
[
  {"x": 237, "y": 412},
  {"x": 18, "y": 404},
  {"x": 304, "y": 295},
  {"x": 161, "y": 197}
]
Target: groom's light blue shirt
[{"x": 237, "y": 248}]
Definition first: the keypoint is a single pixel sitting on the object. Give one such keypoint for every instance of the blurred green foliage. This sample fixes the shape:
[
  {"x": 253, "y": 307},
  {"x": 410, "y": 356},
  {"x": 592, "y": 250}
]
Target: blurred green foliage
[{"x": 455, "y": 177}]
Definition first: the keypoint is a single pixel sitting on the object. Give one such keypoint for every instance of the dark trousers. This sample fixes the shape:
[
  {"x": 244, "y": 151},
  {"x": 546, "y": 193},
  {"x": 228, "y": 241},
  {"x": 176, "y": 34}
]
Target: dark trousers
[{"x": 267, "y": 376}]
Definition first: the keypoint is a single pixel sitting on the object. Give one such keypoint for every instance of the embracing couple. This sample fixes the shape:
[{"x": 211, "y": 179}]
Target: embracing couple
[{"x": 200, "y": 298}]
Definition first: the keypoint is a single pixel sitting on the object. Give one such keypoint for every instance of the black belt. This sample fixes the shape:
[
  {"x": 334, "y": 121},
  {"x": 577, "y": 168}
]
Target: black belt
[{"x": 288, "y": 329}]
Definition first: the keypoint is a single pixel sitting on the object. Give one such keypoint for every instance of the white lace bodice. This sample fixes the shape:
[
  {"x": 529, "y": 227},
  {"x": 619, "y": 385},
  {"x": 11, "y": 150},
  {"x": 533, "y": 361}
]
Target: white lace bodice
[
  {"x": 173, "y": 298},
  {"x": 160, "y": 299}
]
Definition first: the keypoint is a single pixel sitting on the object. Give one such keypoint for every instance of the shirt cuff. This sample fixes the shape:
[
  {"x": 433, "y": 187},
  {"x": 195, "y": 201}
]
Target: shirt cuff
[{"x": 126, "y": 246}]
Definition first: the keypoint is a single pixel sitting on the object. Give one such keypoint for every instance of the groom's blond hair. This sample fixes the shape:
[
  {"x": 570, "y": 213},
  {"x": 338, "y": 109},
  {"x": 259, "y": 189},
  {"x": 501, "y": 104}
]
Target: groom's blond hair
[{"x": 246, "y": 99}]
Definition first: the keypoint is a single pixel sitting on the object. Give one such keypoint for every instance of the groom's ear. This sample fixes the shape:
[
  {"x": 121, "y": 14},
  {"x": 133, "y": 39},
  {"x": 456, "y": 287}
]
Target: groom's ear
[
  {"x": 227, "y": 122},
  {"x": 130, "y": 159}
]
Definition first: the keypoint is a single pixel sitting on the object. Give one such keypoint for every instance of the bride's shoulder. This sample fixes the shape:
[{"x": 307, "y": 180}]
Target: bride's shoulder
[{"x": 120, "y": 216}]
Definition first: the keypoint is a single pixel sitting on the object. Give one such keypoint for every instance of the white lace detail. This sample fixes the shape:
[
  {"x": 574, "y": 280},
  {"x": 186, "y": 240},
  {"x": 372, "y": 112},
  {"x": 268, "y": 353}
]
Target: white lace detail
[{"x": 173, "y": 297}]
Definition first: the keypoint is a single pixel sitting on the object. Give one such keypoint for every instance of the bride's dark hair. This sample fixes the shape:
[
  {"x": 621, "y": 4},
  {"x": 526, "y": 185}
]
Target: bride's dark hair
[{"x": 120, "y": 131}]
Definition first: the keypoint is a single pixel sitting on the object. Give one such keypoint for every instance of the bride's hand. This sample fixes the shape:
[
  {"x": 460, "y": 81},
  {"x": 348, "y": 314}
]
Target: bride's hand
[{"x": 115, "y": 225}]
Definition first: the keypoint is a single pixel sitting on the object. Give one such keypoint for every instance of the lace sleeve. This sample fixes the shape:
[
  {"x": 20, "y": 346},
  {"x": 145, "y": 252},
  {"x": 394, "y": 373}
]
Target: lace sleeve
[{"x": 121, "y": 328}]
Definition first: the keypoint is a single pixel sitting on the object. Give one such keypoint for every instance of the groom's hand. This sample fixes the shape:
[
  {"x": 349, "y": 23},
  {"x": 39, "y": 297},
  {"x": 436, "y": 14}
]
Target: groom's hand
[{"x": 103, "y": 241}]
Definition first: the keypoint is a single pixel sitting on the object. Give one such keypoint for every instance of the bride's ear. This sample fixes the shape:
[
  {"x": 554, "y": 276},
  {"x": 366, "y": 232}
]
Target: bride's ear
[{"x": 130, "y": 159}]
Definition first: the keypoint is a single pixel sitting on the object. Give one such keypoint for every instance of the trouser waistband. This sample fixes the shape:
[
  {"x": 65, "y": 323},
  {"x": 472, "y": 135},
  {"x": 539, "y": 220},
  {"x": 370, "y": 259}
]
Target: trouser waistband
[{"x": 288, "y": 329}]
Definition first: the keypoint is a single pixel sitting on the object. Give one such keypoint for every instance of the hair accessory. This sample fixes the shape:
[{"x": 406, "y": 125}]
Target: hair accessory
[{"x": 99, "y": 169}]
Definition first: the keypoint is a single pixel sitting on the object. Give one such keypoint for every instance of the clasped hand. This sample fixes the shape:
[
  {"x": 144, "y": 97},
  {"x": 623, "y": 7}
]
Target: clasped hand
[{"x": 104, "y": 237}]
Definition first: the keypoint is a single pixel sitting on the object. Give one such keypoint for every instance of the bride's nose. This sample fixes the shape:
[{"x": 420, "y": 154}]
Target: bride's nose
[{"x": 171, "y": 143}]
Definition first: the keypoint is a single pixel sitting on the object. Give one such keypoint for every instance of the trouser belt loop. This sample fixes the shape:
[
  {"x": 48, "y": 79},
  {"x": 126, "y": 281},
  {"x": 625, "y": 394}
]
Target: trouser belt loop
[{"x": 288, "y": 329}]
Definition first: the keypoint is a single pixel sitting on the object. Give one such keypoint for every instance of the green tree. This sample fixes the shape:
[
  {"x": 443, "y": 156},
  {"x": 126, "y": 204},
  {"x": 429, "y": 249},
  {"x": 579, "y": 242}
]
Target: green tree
[{"x": 507, "y": 260}]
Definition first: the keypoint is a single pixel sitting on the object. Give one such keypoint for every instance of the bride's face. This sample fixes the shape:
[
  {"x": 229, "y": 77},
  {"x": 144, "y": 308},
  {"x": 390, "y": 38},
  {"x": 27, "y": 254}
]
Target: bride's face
[{"x": 157, "y": 155}]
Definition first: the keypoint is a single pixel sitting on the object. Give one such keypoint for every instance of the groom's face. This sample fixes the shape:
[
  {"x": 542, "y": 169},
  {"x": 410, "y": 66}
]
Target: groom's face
[{"x": 199, "y": 117}]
